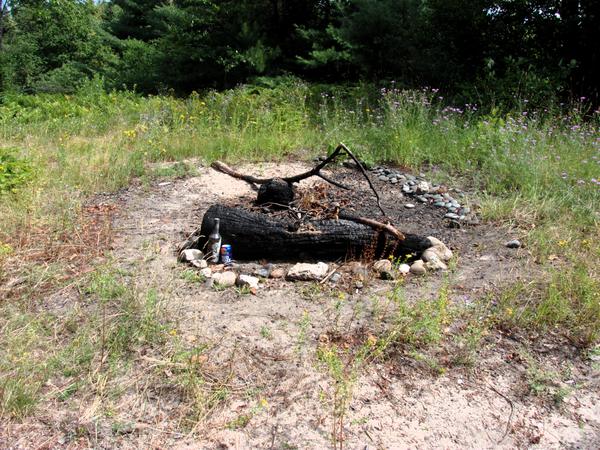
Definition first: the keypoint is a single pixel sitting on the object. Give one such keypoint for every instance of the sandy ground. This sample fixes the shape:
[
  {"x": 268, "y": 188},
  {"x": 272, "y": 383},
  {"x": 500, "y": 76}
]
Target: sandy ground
[{"x": 275, "y": 384}]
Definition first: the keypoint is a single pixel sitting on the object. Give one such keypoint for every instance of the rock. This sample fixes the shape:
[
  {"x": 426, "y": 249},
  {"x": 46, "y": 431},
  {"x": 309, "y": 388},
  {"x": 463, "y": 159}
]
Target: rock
[
  {"x": 247, "y": 281},
  {"x": 383, "y": 178},
  {"x": 191, "y": 254},
  {"x": 277, "y": 273},
  {"x": 335, "y": 277},
  {"x": 422, "y": 198},
  {"x": 225, "y": 279},
  {"x": 423, "y": 187},
  {"x": 515, "y": 243},
  {"x": 438, "y": 204},
  {"x": 384, "y": 268},
  {"x": 383, "y": 265},
  {"x": 262, "y": 272},
  {"x": 199, "y": 263},
  {"x": 307, "y": 272},
  {"x": 404, "y": 269},
  {"x": 418, "y": 267},
  {"x": 394, "y": 180},
  {"x": 209, "y": 283},
  {"x": 409, "y": 206},
  {"x": 359, "y": 284},
  {"x": 452, "y": 216},
  {"x": 406, "y": 188},
  {"x": 443, "y": 252},
  {"x": 435, "y": 263},
  {"x": 206, "y": 272}
]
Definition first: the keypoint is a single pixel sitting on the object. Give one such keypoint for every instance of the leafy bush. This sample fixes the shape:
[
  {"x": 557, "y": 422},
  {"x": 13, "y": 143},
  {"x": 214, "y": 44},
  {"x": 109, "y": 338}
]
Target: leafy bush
[{"x": 14, "y": 172}]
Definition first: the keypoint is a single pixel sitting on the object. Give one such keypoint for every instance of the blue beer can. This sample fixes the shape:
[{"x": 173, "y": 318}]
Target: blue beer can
[{"x": 226, "y": 254}]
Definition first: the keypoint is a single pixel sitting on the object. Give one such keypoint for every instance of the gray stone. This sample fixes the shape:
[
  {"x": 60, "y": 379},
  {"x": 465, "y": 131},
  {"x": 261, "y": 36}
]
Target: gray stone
[
  {"x": 438, "y": 204},
  {"x": 394, "y": 180},
  {"x": 307, "y": 272},
  {"x": 335, "y": 277},
  {"x": 262, "y": 272},
  {"x": 422, "y": 198},
  {"x": 515, "y": 243},
  {"x": 383, "y": 178},
  {"x": 206, "y": 272},
  {"x": 409, "y": 206},
  {"x": 452, "y": 216},
  {"x": 434, "y": 262},
  {"x": 406, "y": 188},
  {"x": 418, "y": 267},
  {"x": 191, "y": 254},
  {"x": 423, "y": 187},
  {"x": 225, "y": 279},
  {"x": 247, "y": 281}
]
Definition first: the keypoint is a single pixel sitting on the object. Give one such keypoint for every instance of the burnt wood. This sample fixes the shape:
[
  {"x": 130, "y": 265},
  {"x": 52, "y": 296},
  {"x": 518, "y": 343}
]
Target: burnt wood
[
  {"x": 256, "y": 236},
  {"x": 277, "y": 191}
]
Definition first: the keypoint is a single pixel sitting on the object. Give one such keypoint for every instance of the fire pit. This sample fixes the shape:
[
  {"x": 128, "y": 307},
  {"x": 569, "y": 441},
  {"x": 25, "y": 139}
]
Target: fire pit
[{"x": 326, "y": 221}]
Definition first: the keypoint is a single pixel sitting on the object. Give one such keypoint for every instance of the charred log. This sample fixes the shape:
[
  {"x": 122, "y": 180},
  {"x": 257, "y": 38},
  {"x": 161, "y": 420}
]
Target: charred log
[
  {"x": 276, "y": 192},
  {"x": 256, "y": 236}
]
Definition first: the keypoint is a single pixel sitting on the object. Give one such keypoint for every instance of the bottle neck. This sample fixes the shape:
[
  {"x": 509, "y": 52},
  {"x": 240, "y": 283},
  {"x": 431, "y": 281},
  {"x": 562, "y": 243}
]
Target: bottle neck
[{"x": 216, "y": 226}]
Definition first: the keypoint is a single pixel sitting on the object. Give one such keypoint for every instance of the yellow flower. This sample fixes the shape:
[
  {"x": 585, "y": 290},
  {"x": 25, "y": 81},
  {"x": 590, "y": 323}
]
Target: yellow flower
[
  {"x": 173, "y": 332},
  {"x": 371, "y": 340},
  {"x": 562, "y": 243}
]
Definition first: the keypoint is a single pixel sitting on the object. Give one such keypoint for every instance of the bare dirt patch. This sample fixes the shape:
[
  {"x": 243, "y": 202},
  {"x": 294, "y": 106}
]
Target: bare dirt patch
[{"x": 263, "y": 387}]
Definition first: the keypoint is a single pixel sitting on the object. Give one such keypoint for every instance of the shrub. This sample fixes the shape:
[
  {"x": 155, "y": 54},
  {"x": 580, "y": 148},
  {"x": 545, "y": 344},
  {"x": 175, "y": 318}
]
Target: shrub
[{"x": 14, "y": 171}]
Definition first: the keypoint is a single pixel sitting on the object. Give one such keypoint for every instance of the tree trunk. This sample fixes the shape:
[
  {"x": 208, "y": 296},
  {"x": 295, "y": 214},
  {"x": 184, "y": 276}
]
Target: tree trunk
[{"x": 257, "y": 236}]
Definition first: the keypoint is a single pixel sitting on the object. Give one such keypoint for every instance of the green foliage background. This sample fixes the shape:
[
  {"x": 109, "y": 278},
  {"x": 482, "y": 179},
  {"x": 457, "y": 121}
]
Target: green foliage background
[{"x": 486, "y": 51}]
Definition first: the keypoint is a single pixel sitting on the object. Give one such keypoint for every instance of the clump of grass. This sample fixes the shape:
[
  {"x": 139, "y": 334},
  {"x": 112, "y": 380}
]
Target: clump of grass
[{"x": 568, "y": 304}]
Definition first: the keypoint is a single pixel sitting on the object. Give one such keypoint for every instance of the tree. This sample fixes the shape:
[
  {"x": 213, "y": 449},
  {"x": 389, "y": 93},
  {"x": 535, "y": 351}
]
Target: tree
[
  {"x": 55, "y": 44},
  {"x": 3, "y": 20}
]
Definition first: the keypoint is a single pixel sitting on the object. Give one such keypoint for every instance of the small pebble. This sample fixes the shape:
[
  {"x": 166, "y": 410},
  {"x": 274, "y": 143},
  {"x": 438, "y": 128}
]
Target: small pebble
[
  {"x": 404, "y": 268},
  {"x": 515, "y": 243},
  {"x": 452, "y": 216},
  {"x": 418, "y": 267},
  {"x": 409, "y": 206},
  {"x": 335, "y": 277}
]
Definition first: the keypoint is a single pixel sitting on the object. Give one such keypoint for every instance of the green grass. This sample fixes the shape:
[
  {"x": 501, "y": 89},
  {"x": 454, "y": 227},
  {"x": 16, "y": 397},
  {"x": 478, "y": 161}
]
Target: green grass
[{"x": 531, "y": 171}]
